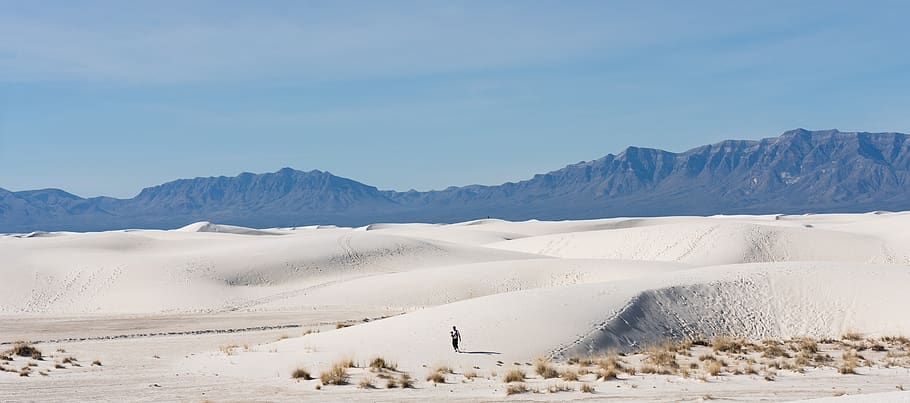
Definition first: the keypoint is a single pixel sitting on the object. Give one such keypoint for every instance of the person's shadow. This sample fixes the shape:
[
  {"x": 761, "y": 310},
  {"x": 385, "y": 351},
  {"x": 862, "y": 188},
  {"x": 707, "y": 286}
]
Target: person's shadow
[{"x": 480, "y": 352}]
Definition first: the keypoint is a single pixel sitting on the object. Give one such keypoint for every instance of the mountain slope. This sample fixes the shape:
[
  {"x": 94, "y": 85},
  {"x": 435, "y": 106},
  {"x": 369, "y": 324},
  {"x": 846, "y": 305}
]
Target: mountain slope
[{"x": 799, "y": 171}]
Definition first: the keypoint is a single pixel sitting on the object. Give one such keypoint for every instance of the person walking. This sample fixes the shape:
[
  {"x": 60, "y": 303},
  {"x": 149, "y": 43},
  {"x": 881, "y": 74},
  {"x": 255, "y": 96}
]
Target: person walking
[{"x": 456, "y": 337}]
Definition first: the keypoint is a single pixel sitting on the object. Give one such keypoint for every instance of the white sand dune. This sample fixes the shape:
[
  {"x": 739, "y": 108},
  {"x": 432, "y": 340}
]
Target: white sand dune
[{"x": 517, "y": 290}]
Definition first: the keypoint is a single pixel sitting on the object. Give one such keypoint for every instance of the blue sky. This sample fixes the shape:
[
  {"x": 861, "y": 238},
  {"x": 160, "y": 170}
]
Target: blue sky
[{"x": 104, "y": 98}]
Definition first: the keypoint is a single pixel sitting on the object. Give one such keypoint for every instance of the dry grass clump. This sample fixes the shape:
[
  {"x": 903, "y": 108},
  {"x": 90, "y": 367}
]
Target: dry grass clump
[
  {"x": 850, "y": 361},
  {"x": 663, "y": 358},
  {"x": 713, "y": 367},
  {"x": 405, "y": 381},
  {"x": 544, "y": 369},
  {"x": 366, "y": 383},
  {"x": 96, "y": 363},
  {"x": 729, "y": 345},
  {"x": 852, "y": 336},
  {"x": 380, "y": 363},
  {"x": 301, "y": 373},
  {"x": 25, "y": 371},
  {"x": 470, "y": 374},
  {"x": 336, "y": 375},
  {"x": 391, "y": 384},
  {"x": 516, "y": 389},
  {"x": 610, "y": 362},
  {"x": 71, "y": 360},
  {"x": 438, "y": 375},
  {"x": 24, "y": 349},
  {"x": 773, "y": 349},
  {"x": 586, "y": 388},
  {"x": 342, "y": 325},
  {"x": 606, "y": 374},
  {"x": 569, "y": 375},
  {"x": 514, "y": 375}
]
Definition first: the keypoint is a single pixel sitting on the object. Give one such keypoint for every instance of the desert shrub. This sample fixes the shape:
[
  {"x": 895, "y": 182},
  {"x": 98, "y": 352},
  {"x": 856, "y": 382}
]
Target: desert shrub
[
  {"x": 713, "y": 367},
  {"x": 515, "y": 375},
  {"x": 96, "y": 363},
  {"x": 301, "y": 373},
  {"x": 586, "y": 388},
  {"x": 852, "y": 336},
  {"x": 25, "y": 349},
  {"x": 380, "y": 363},
  {"x": 545, "y": 370},
  {"x": 850, "y": 361},
  {"x": 606, "y": 374},
  {"x": 405, "y": 381},
  {"x": 773, "y": 349},
  {"x": 336, "y": 375},
  {"x": 436, "y": 377},
  {"x": 611, "y": 360},
  {"x": 516, "y": 389},
  {"x": 729, "y": 345},
  {"x": 470, "y": 374},
  {"x": 391, "y": 384},
  {"x": 570, "y": 375},
  {"x": 366, "y": 383}
]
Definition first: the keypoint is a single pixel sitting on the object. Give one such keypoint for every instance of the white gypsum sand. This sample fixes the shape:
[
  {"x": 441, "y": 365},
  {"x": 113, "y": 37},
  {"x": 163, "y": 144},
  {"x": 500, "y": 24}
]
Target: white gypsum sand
[{"x": 229, "y": 313}]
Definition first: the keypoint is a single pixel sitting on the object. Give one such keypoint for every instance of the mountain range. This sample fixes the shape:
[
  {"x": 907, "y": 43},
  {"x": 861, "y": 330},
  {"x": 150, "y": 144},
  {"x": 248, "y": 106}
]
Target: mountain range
[{"x": 800, "y": 171}]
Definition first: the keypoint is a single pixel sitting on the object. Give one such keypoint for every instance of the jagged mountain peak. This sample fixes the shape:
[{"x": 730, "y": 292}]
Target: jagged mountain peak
[{"x": 798, "y": 171}]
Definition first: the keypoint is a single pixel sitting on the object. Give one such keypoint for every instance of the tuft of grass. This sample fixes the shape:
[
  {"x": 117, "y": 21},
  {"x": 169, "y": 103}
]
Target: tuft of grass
[
  {"x": 336, "y": 375},
  {"x": 96, "y": 363},
  {"x": 516, "y": 389},
  {"x": 773, "y": 349},
  {"x": 515, "y": 375},
  {"x": 342, "y": 325},
  {"x": 470, "y": 374},
  {"x": 436, "y": 377},
  {"x": 391, "y": 384},
  {"x": 555, "y": 388},
  {"x": 70, "y": 360},
  {"x": 405, "y": 381},
  {"x": 301, "y": 373},
  {"x": 852, "y": 336},
  {"x": 713, "y": 367},
  {"x": 24, "y": 349},
  {"x": 850, "y": 361},
  {"x": 59, "y": 366},
  {"x": 729, "y": 345},
  {"x": 379, "y": 363},
  {"x": 606, "y": 374},
  {"x": 366, "y": 383},
  {"x": 545, "y": 370},
  {"x": 587, "y": 388},
  {"x": 569, "y": 376}
]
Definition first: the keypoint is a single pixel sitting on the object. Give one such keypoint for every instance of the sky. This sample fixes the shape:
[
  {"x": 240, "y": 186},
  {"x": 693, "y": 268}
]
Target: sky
[{"x": 108, "y": 97}]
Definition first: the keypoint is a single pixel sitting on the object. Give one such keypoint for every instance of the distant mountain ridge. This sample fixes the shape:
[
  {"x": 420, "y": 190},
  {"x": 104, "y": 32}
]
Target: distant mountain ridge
[{"x": 800, "y": 171}]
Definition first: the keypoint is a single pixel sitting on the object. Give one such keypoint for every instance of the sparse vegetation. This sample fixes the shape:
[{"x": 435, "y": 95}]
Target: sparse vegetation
[
  {"x": 96, "y": 363},
  {"x": 379, "y": 363},
  {"x": 587, "y": 388},
  {"x": 229, "y": 349},
  {"x": 405, "y": 381},
  {"x": 852, "y": 336},
  {"x": 515, "y": 375},
  {"x": 366, "y": 383},
  {"x": 850, "y": 361},
  {"x": 336, "y": 375},
  {"x": 515, "y": 389},
  {"x": 24, "y": 349},
  {"x": 545, "y": 370},
  {"x": 569, "y": 375},
  {"x": 437, "y": 375},
  {"x": 301, "y": 373},
  {"x": 470, "y": 374}
]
